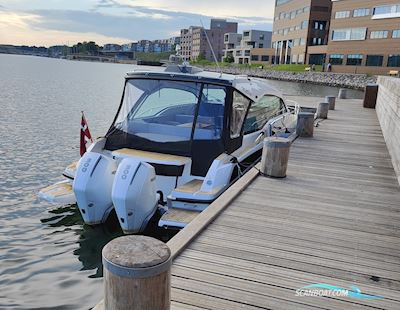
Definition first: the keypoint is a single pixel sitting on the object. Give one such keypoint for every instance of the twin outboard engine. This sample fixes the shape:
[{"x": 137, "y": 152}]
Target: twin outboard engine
[
  {"x": 134, "y": 194},
  {"x": 92, "y": 187}
]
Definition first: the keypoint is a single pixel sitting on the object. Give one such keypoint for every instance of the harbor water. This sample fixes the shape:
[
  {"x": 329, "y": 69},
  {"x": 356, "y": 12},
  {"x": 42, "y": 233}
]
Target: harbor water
[{"x": 48, "y": 258}]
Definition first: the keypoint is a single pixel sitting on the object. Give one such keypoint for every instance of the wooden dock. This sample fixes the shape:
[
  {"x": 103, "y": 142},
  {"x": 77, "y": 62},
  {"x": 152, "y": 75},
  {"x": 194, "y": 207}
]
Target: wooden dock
[{"x": 335, "y": 220}]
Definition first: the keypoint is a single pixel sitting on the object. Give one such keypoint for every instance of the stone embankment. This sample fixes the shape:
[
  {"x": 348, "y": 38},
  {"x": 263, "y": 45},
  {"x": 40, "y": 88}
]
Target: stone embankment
[{"x": 347, "y": 80}]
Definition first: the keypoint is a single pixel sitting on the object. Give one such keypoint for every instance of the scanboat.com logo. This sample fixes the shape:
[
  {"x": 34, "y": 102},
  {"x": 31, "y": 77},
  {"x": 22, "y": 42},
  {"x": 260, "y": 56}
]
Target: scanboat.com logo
[{"x": 320, "y": 290}]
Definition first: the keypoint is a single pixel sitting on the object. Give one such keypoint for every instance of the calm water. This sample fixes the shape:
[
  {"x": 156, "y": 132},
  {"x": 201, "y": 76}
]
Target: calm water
[{"x": 48, "y": 258}]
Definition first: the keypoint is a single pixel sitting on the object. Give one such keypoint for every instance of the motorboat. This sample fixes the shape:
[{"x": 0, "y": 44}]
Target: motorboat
[{"x": 181, "y": 136}]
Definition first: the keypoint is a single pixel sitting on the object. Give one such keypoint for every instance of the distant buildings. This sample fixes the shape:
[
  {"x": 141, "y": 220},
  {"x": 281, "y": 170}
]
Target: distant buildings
[
  {"x": 144, "y": 46},
  {"x": 238, "y": 47},
  {"x": 195, "y": 45},
  {"x": 357, "y": 36},
  {"x": 364, "y": 36},
  {"x": 298, "y": 27}
]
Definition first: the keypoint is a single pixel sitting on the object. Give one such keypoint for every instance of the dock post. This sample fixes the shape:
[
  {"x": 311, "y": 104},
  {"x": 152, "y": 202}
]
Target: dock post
[
  {"x": 275, "y": 157},
  {"x": 370, "y": 96},
  {"x": 137, "y": 274},
  {"x": 332, "y": 102},
  {"x": 342, "y": 93},
  {"x": 305, "y": 124},
  {"x": 323, "y": 110}
]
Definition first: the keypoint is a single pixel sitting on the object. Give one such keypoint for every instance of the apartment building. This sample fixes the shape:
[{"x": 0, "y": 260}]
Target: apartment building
[
  {"x": 301, "y": 27},
  {"x": 187, "y": 42},
  {"x": 365, "y": 36},
  {"x": 200, "y": 44},
  {"x": 239, "y": 47}
]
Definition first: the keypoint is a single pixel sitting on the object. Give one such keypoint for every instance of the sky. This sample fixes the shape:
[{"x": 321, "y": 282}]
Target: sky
[{"x": 53, "y": 22}]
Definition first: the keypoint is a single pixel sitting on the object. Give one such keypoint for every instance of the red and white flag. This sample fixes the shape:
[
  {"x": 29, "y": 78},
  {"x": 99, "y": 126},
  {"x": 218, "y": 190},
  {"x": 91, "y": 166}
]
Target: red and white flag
[{"x": 85, "y": 135}]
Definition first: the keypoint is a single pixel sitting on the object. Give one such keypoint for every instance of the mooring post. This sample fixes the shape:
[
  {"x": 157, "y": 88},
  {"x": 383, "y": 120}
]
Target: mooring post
[
  {"x": 332, "y": 102},
  {"x": 305, "y": 124},
  {"x": 323, "y": 110},
  {"x": 275, "y": 157},
  {"x": 137, "y": 274},
  {"x": 370, "y": 96},
  {"x": 342, "y": 93}
]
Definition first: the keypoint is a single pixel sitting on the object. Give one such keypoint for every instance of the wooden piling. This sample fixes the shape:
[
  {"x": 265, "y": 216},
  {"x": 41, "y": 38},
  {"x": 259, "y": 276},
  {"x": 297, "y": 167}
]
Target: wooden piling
[
  {"x": 342, "y": 93},
  {"x": 305, "y": 124},
  {"x": 323, "y": 110},
  {"x": 136, "y": 274},
  {"x": 275, "y": 157},
  {"x": 332, "y": 102},
  {"x": 370, "y": 96}
]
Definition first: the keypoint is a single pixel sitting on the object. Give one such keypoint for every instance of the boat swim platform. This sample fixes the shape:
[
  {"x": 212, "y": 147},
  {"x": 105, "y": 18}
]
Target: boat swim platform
[{"x": 334, "y": 220}]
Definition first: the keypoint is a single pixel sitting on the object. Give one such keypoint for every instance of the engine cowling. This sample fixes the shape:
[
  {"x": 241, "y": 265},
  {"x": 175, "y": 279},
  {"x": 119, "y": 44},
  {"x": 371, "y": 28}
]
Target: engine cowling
[
  {"x": 92, "y": 187},
  {"x": 134, "y": 194}
]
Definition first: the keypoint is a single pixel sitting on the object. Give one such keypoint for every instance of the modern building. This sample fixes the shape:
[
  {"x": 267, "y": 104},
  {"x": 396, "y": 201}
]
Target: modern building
[
  {"x": 300, "y": 28},
  {"x": 187, "y": 42},
  {"x": 240, "y": 46},
  {"x": 203, "y": 47},
  {"x": 365, "y": 36}
]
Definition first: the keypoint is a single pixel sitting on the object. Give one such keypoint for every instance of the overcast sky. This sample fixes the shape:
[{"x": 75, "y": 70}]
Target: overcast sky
[{"x": 51, "y": 22}]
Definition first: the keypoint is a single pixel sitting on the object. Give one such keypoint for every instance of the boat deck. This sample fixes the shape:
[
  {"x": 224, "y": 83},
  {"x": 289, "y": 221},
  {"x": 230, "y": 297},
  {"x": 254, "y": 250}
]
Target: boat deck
[{"x": 335, "y": 219}]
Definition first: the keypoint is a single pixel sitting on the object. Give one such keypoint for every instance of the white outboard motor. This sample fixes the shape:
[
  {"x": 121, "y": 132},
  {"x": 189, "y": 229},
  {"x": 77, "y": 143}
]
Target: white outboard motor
[
  {"x": 134, "y": 194},
  {"x": 92, "y": 187}
]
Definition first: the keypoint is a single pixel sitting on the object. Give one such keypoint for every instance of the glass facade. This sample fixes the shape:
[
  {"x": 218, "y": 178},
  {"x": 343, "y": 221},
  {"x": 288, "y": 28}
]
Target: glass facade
[
  {"x": 387, "y": 9},
  {"x": 349, "y": 34},
  {"x": 336, "y": 59},
  {"x": 361, "y": 12},
  {"x": 354, "y": 60},
  {"x": 374, "y": 60},
  {"x": 342, "y": 14},
  {"x": 394, "y": 61},
  {"x": 382, "y": 34}
]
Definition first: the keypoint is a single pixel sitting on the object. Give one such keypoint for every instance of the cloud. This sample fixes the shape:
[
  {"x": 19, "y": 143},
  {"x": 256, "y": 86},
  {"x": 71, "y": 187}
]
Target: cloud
[
  {"x": 121, "y": 21},
  {"x": 16, "y": 28}
]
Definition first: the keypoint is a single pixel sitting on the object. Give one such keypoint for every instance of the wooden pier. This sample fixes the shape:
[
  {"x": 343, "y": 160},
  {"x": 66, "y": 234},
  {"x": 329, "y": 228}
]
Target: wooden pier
[{"x": 335, "y": 220}]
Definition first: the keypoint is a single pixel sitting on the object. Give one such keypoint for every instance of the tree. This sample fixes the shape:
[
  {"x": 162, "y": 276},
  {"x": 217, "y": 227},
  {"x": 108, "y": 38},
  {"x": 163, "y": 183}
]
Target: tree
[{"x": 229, "y": 59}]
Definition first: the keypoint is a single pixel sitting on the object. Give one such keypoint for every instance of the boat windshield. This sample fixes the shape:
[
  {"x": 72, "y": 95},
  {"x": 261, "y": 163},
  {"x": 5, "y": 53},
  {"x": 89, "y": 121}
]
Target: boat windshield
[{"x": 165, "y": 111}]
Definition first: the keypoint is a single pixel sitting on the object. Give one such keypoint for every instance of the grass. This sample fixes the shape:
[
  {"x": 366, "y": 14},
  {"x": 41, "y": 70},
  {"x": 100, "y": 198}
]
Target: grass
[
  {"x": 153, "y": 56},
  {"x": 288, "y": 68}
]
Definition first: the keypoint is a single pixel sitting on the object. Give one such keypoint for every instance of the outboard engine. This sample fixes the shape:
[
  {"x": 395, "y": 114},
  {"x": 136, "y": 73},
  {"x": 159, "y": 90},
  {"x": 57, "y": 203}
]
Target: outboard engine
[
  {"x": 92, "y": 187},
  {"x": 134, "y": 194}
]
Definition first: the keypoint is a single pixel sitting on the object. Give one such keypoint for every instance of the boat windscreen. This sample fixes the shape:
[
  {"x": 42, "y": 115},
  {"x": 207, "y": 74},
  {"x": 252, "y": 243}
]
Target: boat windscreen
[{"x": 159, "y": 115}]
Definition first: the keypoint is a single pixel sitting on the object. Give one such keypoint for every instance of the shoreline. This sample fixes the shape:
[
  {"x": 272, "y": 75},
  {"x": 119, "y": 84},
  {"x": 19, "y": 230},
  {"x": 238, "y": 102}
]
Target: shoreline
[{"x": 344, "y": 80}]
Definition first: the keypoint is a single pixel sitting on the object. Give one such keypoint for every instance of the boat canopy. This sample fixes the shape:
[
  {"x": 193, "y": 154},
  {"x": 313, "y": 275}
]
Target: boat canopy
[{"x": 194, "y": 115}]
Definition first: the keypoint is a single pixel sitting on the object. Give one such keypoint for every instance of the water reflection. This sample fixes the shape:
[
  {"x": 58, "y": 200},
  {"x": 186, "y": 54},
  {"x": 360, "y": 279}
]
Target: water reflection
[{"x": 92, "y": 239}]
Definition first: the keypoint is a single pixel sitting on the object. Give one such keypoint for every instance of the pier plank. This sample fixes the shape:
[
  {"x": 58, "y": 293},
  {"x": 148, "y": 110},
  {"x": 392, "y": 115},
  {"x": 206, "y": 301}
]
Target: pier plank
[{"x": 335, "y": 219}]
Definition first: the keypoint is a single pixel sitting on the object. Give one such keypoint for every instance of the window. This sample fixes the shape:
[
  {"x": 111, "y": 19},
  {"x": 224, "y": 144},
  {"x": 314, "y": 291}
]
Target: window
[
  {"x": 246, "y": 33},
  {"x": 374, "y": 60},
  {"x": 396, "y": 34},
  {"x": 264, "y": 58},
  {"x": 247, "y": 53},
  {"x": 306, "y": 9},
  {"x": 302, "y": 41},
  {"x": 336, "y": 59},
  {"x": 342, "y": 14},
  {"x": 304, "y": 24},
  {"x": 262, "y": 111},
  {"x": 210, "y": 119},
  {"x": 239, "y": 109},
  {"x": 261, "y": 45},
  {"x": 394, "y": 61},
  {"x": 292, "y": 14},
  {"x": 255, "y": 57},
  {"x": 382, "y": 34},
  {"x": 387, "y": 9},
  {"x": 360, "y": 12},
  {"x": 349, "y": 34},
  {"x": 354, "y": 59}
]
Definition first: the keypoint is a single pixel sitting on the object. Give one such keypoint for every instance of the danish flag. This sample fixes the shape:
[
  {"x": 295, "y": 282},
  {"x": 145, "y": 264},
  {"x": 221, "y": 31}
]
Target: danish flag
[{"x": 85, "y": 135}]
